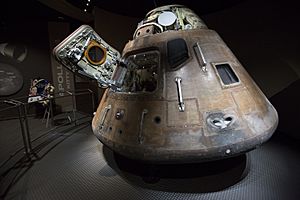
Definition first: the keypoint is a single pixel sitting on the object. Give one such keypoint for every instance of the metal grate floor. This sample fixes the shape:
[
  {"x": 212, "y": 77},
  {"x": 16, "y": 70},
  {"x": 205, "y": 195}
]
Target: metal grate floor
[{"x": 77, "y": 167}]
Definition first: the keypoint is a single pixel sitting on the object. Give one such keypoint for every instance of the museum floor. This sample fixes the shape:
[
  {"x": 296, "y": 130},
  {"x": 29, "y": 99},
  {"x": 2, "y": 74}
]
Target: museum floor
[{"x": 70, "y": 163}]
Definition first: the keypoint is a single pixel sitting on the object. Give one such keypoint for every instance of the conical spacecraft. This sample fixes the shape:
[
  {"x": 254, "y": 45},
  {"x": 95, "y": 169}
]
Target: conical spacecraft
[{"x": 175, "y": 94}]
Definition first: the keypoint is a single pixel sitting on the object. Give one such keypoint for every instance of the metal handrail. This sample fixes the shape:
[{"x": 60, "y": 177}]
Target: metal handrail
[
  {"x": 66, "y": 94},
  {"x": 22, "y": 115}
]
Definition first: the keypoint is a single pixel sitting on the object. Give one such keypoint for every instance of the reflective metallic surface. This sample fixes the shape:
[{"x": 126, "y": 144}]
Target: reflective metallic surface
[{"x": 73, "y": 53}]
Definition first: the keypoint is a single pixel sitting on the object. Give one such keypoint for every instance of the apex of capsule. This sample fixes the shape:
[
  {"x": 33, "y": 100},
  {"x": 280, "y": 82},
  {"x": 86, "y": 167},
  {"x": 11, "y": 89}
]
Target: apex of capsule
[{"x": 168, "y": 18}]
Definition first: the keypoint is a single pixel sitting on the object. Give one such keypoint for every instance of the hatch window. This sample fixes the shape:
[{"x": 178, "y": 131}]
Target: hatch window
[
  {"x": 226, "y": 74},
  {"x": 177, "y": 52},
  {"x": 142, "y": 72},
  {"x": 95, "y": 53}
]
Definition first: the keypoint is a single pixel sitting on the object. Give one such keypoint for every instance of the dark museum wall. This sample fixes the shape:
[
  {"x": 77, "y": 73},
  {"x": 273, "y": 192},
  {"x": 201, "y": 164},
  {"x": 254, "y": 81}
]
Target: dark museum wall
[
  {"x": 31, "y": 37},
  {"x": 264, "y": 35},
  {"x": 115, "y": 29}
]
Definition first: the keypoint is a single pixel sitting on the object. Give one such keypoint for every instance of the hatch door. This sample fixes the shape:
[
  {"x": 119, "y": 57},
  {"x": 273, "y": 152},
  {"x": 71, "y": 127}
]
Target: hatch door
[{"x": 85, "y": 52}]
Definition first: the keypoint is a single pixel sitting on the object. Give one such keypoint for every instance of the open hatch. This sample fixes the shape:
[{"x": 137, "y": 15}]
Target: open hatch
[{"x": 85, "y": 52}]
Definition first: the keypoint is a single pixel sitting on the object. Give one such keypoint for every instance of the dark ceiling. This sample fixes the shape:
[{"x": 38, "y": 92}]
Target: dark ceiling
[
  {"x": 15, "y": 10},
  {"x": 136, "y": 8}
]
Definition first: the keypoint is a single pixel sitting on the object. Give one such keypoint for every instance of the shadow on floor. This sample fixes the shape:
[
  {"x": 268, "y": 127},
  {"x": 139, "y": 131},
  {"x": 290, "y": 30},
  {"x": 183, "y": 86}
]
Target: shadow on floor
[
  {"x": 192, "y": 178},
  {"x": 13, "y": 173}
]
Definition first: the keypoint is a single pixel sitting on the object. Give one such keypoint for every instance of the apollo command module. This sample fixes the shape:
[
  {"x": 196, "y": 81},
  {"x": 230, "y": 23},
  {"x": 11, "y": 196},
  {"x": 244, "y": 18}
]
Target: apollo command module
[{"x": 176, "y": 94}]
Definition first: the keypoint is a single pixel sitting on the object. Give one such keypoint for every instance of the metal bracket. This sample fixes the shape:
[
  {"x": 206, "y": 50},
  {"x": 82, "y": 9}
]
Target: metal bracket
[
  {"x": 106, "y": 109},
  {"x": 198, "y": 52},
  {"x": 140, "y": 136},
  {"x": 179, "y": 93}
]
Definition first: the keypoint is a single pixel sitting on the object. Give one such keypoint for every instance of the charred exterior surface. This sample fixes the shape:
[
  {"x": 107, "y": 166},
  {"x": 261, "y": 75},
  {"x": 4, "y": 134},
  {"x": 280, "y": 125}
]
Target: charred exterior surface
[
  {"x": 177, "y": 93},
  {"x": 169, "y": 135}
]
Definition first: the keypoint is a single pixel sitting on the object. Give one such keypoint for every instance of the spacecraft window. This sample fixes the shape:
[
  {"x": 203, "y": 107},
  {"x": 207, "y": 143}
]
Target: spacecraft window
[
  {"x": 142, "y": 72},
  {"x": 177, "y": 52},
  {"x": 226, "y": 74},
  {"x": 95, "y": 53}
]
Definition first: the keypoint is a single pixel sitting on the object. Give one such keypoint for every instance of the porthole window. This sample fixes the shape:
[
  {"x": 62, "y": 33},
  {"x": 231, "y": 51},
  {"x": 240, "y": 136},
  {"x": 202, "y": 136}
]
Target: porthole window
[
  {"x": 226, "y": 74},
  {"x": 95, "y": 53},
  {"x": 177, "y": 52}
]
